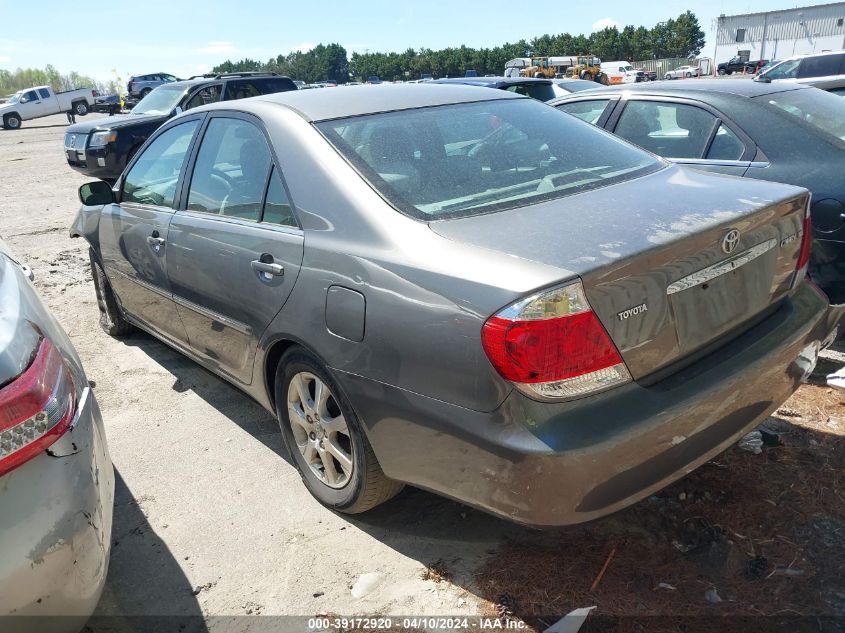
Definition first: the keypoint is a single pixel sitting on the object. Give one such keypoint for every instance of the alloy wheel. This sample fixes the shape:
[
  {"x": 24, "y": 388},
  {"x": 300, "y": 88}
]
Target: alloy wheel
[{"x": 320, "y": 430}]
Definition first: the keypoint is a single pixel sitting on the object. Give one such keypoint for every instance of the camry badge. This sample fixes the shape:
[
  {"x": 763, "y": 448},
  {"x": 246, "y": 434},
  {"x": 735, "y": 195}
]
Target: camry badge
[{"x": 730, "y": 241}]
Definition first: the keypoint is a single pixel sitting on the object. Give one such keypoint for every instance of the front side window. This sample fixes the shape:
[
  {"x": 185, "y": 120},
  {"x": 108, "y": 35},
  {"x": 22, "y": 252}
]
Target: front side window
[
  {"x": 230, "y": 174},
  {"x": 819, "y": 111},
  {"x": 31, "y": 95},
  {"x": 206, "y": 95},
  {"x": 589, "y": 111},
  {"x": 45, "y": 94},
  {"x": 821, "y": 66},
  {"x": 467, "y": 159},
  {"x": 784, "y": 70},
  {"x": 673, "y": 130},
  {"x": 539, "y": 91},
  {"x": 153, "y": 177}
]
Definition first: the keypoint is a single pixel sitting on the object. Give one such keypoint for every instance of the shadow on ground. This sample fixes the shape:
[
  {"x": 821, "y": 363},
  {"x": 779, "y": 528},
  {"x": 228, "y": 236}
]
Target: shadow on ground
[{"x": 143, "y": 578}]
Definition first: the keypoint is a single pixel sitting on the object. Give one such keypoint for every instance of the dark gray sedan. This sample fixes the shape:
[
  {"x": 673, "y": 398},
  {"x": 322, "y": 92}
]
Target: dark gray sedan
[
  {"x": 56, "y": 477},
  {"x": 783, "y": 132},
  {"x": 464, "y": 290}
]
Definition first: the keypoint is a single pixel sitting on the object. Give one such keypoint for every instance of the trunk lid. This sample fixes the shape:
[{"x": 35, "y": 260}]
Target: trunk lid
[{"x": 658, "y": 256}]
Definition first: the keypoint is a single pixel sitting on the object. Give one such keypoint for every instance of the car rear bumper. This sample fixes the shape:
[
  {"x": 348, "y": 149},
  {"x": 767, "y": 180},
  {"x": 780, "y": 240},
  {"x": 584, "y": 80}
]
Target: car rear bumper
[
  {"x": 555, "y": 464},
  {"x": 55, "y": 530}
]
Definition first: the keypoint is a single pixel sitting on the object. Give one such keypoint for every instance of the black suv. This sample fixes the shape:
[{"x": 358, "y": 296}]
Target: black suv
[
  {"x": 739, "y": 65},
  {"x": 102, "y": 148}
]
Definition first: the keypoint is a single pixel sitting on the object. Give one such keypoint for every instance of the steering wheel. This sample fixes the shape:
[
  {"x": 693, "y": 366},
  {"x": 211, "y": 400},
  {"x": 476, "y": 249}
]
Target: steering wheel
[
  {"x": 223, "y": 178},
  {"x": 492, "y": 138}
]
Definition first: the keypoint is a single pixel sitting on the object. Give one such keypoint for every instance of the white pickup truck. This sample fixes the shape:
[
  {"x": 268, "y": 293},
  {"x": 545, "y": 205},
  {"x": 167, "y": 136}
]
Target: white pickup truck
[{"x": 39, "y": 101}]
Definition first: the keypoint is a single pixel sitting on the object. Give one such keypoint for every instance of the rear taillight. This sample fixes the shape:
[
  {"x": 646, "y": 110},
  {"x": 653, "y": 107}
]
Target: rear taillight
[
  {"x": 804, "y": 252},
  {"x": 552, "y": 346},
  {"x": 36, "y": 408}
]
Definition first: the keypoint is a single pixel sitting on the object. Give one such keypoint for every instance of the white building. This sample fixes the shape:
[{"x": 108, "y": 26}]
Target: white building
[{"x": 779, "y": 34}]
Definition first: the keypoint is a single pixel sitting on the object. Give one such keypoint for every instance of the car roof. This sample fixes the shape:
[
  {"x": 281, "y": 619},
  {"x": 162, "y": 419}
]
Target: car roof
[
  {"x": 493, "y": 81},
  {"x": 821, "y": 54},
  {"x": 322, "y": 105},
  {"x": 737, "y": 87}
]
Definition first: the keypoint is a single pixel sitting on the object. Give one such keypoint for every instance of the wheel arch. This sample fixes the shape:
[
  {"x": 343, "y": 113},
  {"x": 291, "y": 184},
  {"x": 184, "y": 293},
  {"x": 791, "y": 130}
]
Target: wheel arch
[{"x": 12, "y": 113}]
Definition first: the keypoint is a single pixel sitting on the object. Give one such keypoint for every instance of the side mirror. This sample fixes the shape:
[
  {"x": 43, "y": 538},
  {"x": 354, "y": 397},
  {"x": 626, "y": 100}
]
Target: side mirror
[
  {"x": 96, "y": 193},
  {"x": 178, "y": 110}
]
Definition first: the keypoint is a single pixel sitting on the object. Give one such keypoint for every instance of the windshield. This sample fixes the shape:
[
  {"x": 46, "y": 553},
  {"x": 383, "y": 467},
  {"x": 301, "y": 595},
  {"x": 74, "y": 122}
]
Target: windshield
[
  {"x": 821, "y": 111},
  {"x": 162, "y": 100},
  {"x": 466, "y": 159},
  {"x": 15, "y": 98}
]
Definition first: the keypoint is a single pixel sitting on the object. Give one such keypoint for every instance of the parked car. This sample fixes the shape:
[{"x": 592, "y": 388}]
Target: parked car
[
  {"x": 102, "y": 148},
  {"x": 109, "y": 104},
  {"x": 471, "y": 73},
  {"x": 351, "y": 259},
  {"x": 56, "y": 477},
  {"x": 683, "y": 72},
  {"x": 372, "y": 79},
  {"x": 536, "y": 88},
  {"x": 825, "y": 71},
  {"x": 621, "y": 72},
  {"x": 140, "y": 86},
  {"x": 740, "y": 65},
  {"x": 650, "y": 75},
  {"x": 40, "y": 101},
  {"x": 782, "y": 132}
]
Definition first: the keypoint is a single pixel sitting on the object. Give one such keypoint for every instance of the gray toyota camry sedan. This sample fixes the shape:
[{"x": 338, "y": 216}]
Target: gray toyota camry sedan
[
  {"x": 464, "y": 290},
  {"x": 56, "y": 477}
]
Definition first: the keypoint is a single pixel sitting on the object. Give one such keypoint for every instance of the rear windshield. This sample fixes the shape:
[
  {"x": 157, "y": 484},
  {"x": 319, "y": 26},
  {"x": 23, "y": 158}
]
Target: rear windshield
[
  {"x": 818, "y": 110},
  {"x": 467, "y": 159}
]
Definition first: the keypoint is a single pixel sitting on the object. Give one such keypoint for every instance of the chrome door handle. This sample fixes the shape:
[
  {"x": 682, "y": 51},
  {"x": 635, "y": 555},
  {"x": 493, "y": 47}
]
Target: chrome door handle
[
  {"x": 155, "y": 242},
  {"x": 268, "y": 268}
]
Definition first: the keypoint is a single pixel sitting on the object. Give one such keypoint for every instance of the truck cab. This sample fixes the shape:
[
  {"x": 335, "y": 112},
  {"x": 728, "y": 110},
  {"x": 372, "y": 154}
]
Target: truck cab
[{"x": 40, "y": 101}]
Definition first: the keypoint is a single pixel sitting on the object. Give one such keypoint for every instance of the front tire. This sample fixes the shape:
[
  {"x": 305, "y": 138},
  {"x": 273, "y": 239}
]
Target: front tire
[
  {"x": 80, "y": 108},
  {"x": 587, "y": 75},
  {"x": 12, "y": 122},
  {"x": 111, "y": 318},
  {"x": 325, "y": 439},
  {"x": 723, "y": 72}
]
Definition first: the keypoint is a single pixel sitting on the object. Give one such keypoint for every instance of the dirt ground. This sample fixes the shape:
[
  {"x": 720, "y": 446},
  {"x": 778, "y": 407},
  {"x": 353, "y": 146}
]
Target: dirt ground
[{"x": 211, "y": 519}]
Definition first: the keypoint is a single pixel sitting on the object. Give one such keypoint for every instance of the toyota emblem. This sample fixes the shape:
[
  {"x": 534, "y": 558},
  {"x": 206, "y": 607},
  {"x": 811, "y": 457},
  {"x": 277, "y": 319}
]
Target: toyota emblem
[{"x": 730, "y": 241}]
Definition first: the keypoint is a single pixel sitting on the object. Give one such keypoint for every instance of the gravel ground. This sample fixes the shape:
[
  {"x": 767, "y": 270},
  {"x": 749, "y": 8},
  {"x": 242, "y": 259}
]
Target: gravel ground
[{"x": 211, "y": 519}]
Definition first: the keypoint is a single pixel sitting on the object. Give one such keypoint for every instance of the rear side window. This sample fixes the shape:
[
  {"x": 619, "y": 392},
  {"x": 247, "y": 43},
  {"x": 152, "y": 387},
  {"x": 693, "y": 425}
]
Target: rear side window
[
  {"x": 277, "y": 209},
  {"x": 244, "y": 88},
  {"x": 589, "y": 111},
  {"x": 538, "y": 91},
  {"x": 726, "y": 145},
  {"x": 45, "y": 94},
  {"x": 230, "y": 173},
  {"x": 466, "y": 159},
  {"x": 821, "y": 66},
  {"x": 153, "y": 177},
  {"x": 673, "y": 130}
]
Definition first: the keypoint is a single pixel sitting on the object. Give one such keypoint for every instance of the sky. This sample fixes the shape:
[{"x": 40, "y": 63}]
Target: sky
[{"x": 188, "y": 37}]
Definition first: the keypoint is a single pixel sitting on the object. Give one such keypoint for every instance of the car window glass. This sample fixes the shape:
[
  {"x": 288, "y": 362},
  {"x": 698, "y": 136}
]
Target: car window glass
[
  {"x": 231, "y": 170},
  {"x": 277, "y": 207},
  {"x": 45, "y": 94},
  {"x": 153, "y": 177},
  {"x": 465, "y": 159},
  {"x": 726, "y": 145},
  {"x": 672, "y": 130},
  {"x": 817, "y": 110},
  {"x": 784, "y": 70},
  {"x": 209, "y": 94},
  {"x": 820, "y": 66},
  {"x": 838, "y": 91},
  {"x": 240, "y": 90},
  {"x": 29, "y": 96},
  {"x": 589, "y": 111}
]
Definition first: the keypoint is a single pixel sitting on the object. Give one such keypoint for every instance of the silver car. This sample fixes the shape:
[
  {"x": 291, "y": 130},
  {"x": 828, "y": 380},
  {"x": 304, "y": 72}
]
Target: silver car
[
  {"x": 56, "y": 477},
  {"x": 464, "y": 290},
  {"x": 683, "y": 72}
]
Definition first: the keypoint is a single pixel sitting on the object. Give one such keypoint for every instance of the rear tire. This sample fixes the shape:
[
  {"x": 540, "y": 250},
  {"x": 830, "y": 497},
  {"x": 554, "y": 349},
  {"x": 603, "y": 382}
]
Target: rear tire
[
  {"x": 80, "y": 108},
  {"x": 587, "y": 75},
  {"x": 688, "y": 75},
  {"x": 364, "y": 486},
  {"x": 145, "y": 92},
  {"x": 12, "y": 122},
  {"x": 723, "y": 72},
  {"x": 111, "y": 318}
]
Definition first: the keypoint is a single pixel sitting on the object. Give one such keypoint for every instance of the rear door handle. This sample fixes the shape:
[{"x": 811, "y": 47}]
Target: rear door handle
[{"x": 268, "y": 268}]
